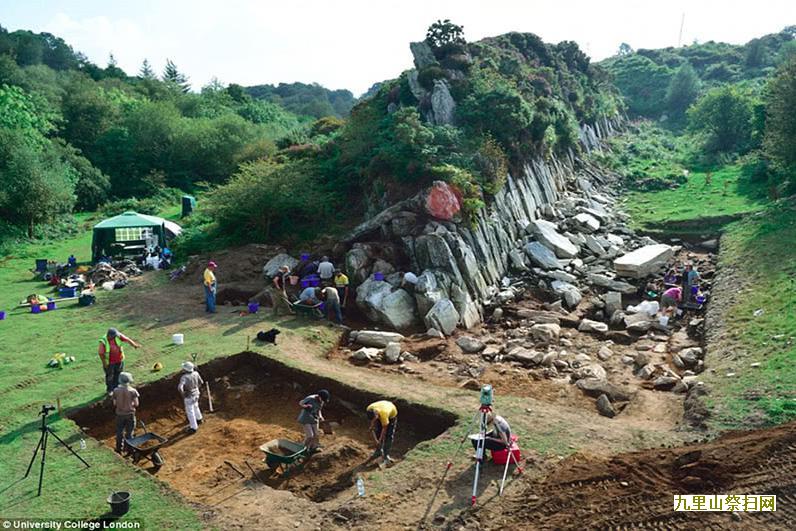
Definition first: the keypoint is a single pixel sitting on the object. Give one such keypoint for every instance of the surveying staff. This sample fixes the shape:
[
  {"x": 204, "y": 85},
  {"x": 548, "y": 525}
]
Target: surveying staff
[
  {"x": 209, "y": 281},
  {"x": 383, "y": 417},
  {"x": 125, "y": 399},
  {"x": 189, "y": 388},
  {"x": 111, "y": 354},
  {"x": 310, "y": 418}
]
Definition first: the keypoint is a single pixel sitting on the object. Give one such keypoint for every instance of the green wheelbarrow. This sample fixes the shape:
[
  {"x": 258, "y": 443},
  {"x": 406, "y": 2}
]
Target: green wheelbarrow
[{"x": 284, "y": 456}]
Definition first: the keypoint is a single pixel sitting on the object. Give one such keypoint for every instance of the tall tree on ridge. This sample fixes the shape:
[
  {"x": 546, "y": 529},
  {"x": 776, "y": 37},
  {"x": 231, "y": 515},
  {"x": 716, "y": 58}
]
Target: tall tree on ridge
[{"x": 174, "y": 77}]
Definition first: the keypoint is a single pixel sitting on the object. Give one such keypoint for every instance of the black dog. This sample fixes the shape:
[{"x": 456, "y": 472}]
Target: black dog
[{"x": 268, "y": 337}]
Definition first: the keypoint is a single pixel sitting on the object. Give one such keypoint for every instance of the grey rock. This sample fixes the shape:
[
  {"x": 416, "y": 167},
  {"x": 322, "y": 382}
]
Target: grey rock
[
  {"x": 375, "y": 338},
  {"x": 586, "y": 222},
  {"x": 643, "y": 261},
  {"x": 392, "y": 352},
  {"x": 442, "y": 316},
  {"x": 593, "y": 245},
  {"x": 497, "y": 315},
  {"x": 604, "y": 353},
  {"x": 547, "y": 333},
  {"x": 613, "y": 302},
  {"x": 680, "y": 387},
  {"x": 664, "y": 383},
  {"x": 549, "y": 359},
  {"x": 539, "y": 316},
  {"x": 611, "y": 284},
  {"x": 561, "y": 275},
  {"x": 470, "y": 345},
  {"x": 443, "y": 107},
  {"x": 422, "y": 54},
  {"x": 605, "y": 408},
  {"x": 541, "y": 255},
  {"x": 398, "y": 310},
  {"x": 517, "y": 261},
  {"x": 710, "y": 245},
  {"x": 370, "y": 295},
  {"x": 433, "y": 332},
  {"x": 547, "y": 234},
  {"x": 524, "y": 356},
  {"x": 271, "y": 268},
  {"x": 357, "y": 265},
  {"x": 570, "y": 293},
  {"x": 587, "y": 325},
  {"x": 596, "y": 387},
  {"x": 646, "y": 372},
  {"x": 641, "y": 359},
  {"x": 490, "y": 352},
  {"x": 592, "y": 370},
  {"x": 366, "y": 354}
]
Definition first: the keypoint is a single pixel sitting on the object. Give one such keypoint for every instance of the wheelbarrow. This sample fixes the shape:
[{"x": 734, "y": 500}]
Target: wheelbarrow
[
  {"x": 307, "y": 310},
  {"x": 284, "y": 456},
  {"x": 146, "y": 446}
]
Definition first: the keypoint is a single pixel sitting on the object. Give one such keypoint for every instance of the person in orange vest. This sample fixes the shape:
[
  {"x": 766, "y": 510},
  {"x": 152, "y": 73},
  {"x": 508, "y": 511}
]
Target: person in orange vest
[{"x": 111, "y": 353}]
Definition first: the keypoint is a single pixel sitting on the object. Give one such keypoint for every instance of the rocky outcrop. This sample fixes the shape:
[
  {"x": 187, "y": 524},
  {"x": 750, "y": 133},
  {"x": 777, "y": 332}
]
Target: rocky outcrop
[
  {"x": 442, "y": 105},
  {"x": 422, "y": 54}
]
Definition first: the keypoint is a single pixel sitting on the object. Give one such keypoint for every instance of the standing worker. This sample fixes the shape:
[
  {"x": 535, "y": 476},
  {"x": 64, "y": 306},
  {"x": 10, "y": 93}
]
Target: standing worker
[
  {"x": 278, "y": 291},
  {"x": 311, "y": 417},
  {"x": 332, "y": 299},
  {"x": 190, "y": 388},
  {"x": 210, "y": 287},
  {"x": 111, "y": 354},
  {"x": 690, "y": 279},
  {"x": 125, "y": 399},
  {"x": 325, "y": 271},
  {"x": 341, "y": 283},
  {"x": 383, "y": 417}
]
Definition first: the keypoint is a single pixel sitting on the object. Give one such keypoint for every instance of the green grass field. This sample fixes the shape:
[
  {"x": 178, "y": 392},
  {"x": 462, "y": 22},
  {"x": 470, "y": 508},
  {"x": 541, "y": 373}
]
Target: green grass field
[
  {"x": 28, "y": 341},
  {"x": 697, "y": 201},
  {"x": 761, "y": 253}
]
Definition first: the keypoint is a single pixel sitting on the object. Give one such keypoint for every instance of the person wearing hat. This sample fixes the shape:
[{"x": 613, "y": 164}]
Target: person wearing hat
[
  {"x": 190, "y": 387},
  {"x": 210, "y": 287},
  {"x": 383, "y": 417},
  {"x": 278, "y": 291},
  {"x": 111, "y": 353},
  {"x": 311, "y": 416},
  {"x": 340, "y": 281},
  {"x": 125, "y": 400}
]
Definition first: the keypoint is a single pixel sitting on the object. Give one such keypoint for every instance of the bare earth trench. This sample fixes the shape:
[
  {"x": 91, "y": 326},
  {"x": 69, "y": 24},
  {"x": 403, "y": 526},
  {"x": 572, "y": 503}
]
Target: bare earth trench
[{"x": 584, "y": 471}]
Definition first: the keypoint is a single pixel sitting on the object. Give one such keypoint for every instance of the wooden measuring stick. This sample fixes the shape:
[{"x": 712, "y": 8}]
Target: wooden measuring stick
[{"x": 209, "y": 396}]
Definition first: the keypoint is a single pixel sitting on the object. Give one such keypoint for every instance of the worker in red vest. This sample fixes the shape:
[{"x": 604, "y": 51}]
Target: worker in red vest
[{"x": 111, "y": 353}]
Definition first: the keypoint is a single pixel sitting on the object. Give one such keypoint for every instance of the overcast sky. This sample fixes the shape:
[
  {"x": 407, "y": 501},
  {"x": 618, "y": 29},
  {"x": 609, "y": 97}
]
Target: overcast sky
[{"x": 354, "y": 43}]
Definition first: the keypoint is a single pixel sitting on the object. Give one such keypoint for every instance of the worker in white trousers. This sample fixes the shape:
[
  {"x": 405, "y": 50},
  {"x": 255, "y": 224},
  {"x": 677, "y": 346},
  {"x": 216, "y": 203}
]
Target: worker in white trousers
[{"x": 190, "y": 387}]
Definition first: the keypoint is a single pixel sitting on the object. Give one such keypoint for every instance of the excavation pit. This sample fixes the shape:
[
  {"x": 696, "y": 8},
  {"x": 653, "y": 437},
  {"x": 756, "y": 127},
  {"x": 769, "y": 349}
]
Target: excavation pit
[{"x": 255, "y": 400}]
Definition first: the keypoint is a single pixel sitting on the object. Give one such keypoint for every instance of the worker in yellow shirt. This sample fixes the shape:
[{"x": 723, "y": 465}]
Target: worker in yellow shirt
[
  {"x": 341, "y": 283},
  {"x": 210, "y": 287},
  {"x": 383, "y": 417}
]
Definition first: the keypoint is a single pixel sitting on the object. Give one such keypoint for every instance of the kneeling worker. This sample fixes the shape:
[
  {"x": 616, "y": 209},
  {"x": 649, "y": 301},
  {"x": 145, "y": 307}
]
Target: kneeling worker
[
  {"x": 499, "y": 435},
  {"x": 189, "y": 387},
  {"x": 383, "y": 417}
]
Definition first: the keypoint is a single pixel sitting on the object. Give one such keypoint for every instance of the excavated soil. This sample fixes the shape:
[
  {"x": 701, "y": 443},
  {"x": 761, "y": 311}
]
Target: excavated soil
[
  {"x": 256, "y": 400},
  {"x": 635, "y": 490}
]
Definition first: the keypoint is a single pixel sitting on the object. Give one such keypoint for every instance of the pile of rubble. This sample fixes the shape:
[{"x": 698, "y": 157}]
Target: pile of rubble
[{"x": 119, "y": 271}]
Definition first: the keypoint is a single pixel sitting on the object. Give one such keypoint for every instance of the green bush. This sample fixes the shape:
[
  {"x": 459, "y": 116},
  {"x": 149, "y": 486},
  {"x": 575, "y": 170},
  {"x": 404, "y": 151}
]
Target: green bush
[
  {"x": 724, "y": 117},
  {"x": 426, "y": 76}
]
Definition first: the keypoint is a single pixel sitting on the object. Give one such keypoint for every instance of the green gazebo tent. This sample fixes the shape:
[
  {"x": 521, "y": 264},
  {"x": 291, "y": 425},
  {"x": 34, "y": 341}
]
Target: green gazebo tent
[{"x": 129, "y": 234}]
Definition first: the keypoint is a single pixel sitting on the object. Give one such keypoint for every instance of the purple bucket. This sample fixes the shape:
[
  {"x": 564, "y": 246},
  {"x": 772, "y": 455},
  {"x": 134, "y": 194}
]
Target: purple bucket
[
  {"x": 35, "y": 308},
  {"x": 51, "y": 305},
  {"x": 2, "y": 316},
  {"x": 378, "y": 276},
  {"x": 694, "y": 290},
  {"x": 253, "y": 307},
  {"x": 305, "y": 256},
  {"x": 700, "y": 299},
  {"x": 305, "y": 283}
]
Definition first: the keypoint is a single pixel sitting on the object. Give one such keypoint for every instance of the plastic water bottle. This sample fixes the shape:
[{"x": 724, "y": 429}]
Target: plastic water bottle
[
  {"x": 82, "y": 444},
  {"x": 360, "y": 486}
]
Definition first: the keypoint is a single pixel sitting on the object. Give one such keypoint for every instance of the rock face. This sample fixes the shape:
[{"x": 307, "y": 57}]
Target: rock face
[
  {"x": 271, "y": 268},
  {"x": 547, "y": 234},
  {"x": 442, "y": 316},
  {"x": 443, "y": 201},
  {"x": 442, "y": 105},
  {"x": 422, "y": 54},
  {"x": 398, "y": 310},
  {"x": 643, "y": 261}
]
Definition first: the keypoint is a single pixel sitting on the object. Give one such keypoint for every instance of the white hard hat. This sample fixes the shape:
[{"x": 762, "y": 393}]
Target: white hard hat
[{"x": 187, "y": 366}]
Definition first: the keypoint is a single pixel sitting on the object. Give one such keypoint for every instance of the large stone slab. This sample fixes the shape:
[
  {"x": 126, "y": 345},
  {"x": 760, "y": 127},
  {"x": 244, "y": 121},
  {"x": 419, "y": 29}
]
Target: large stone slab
[
  {"x": 603, "y": 281},
  {"x": 586, "y": 222},
  {"x": 541, "y": 256},
  {"x": 442, "y": 316},
  {"x": 374, "y": 338},
  {"x": 546, "y": 233},
  {"x": 643, "y": 261}
]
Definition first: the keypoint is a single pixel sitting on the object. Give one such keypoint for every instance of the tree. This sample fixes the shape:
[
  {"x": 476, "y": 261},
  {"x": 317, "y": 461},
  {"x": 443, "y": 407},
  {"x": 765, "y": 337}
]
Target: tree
[
  {"x": 175, "y": 78},
  {"x": 780, "y": 130},
  {"x": 146, "y": 71},
  {"x": 624, "y": 49},
  {"x": 444, "y": 33},
  {"x": 113, "y": 70},
  {"x": 724, "y": 115},
  {"x": 643, "y": 83},
  {"x": 683, "y": 90}
]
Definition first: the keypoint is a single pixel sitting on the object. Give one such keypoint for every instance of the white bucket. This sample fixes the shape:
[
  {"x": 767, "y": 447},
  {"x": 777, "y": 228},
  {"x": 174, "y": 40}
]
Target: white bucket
[
  {"x": 664, "y": 320},
  {"x": 178, "y": 339}
]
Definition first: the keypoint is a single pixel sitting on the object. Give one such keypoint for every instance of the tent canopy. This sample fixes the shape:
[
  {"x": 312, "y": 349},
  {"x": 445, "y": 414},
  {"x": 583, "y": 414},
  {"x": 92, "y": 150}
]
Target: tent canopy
[{"x": 129, "y": 234}]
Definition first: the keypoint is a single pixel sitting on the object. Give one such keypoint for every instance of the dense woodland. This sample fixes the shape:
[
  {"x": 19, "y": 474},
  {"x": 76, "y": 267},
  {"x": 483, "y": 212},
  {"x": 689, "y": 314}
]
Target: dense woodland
[{"x": 283, "y": 162}]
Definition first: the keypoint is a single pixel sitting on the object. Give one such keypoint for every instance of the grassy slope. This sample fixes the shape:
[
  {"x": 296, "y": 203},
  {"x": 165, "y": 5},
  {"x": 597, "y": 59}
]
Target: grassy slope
[
  {"x": 760, "y": 254},
  {"x": 728, "y": 194},
  {"x": 27, "y": 342}
]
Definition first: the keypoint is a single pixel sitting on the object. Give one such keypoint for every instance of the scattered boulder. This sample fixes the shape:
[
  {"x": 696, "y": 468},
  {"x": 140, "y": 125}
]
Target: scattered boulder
[
  {"x": 547, "y": 333},
  {"x": 497, "y": 315},
  {"x": 596, "y": 387},
  {"x": 547, "y": 234},
  {"x": 392, "y": 352},
  {"x": 433, "y": 332},
  {"x": 524, "y": 356},
  {"x": 374, "y": 338},
  {"x": 471, "y": 385},
  {"x": 646, "y": 372},
  {"x": 604, "y": 353},
  {"x": 398, "y": 310},
  {"x": 586, "y": 222},
  {"x": 613, "y": 302},
  {"x": 643, "y": 261},
  {"x": 593, "y": 245},
  {"x": 470, "y": 345},
  {"x": 570, "y": 293},
  {"x": 271, "y": 268},
  {"x": 587, "y": 325},
  {"x": 442, "y": 316},
  {"x": 366, "y": 354},
  {"x": 592, "y": 370},
  {"x": 605, "y": 408},
  {"x": 541, "y": 256},
  {"x": 611, "y": 284},
  {"x": 664, "y": 383},
  {"x": 539, "y": 316}
]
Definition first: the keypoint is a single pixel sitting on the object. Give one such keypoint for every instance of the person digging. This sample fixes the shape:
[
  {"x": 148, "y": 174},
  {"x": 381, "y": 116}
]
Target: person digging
[
  {"x": 125, "y": 400},
  {"x": 310, "y": 418},
  {"x": 383, "y": 417},
  {"x": 111, "y": 353},
  {"x": 190, "y": 388}
]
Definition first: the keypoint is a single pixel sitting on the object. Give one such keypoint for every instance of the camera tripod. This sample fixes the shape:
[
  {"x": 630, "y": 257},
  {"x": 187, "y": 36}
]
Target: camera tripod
[{"x": 46, "y": 431}]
